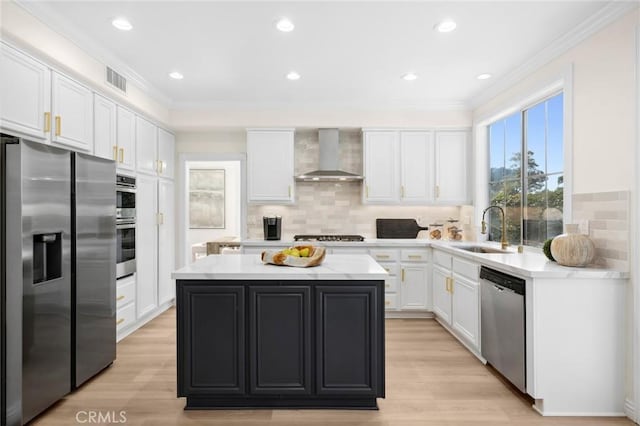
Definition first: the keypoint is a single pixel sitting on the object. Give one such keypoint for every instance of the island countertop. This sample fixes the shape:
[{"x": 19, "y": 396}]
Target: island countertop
[{"x": 250, "y": 267}]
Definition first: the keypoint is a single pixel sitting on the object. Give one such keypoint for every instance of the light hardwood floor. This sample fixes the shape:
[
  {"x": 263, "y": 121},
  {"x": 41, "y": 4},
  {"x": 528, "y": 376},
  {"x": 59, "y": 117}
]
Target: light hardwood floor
[{"x": 431, "y": 380}]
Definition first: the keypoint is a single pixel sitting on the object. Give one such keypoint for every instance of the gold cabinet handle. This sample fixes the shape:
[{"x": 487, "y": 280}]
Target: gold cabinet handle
[
  {"x": 47, "y": 122},
  {"x": 382, "y": 256},
  {"x": 437, "y": 191},
  {"x": 387, "y": 285},
  {"x": 402, "y": 191},
  {"x": 402, "y": 274},
  {"x": 451, "y": 286},
  {"x": 415, "y": 256},
  {"x": 121, "y": 155},
  {"x": 120, "y": 321},
  {"x": 366, "y": 191},
  {"x": 115, "y": 153},
  {"x": 387, "y": 302},
  {"x": 289, "y": 188},
  {"x": 58, "y": 125},
  {"x": 446, "y": 284},
  {"x": 119, "y": 298},
  {"x": 163, "y": 166}
]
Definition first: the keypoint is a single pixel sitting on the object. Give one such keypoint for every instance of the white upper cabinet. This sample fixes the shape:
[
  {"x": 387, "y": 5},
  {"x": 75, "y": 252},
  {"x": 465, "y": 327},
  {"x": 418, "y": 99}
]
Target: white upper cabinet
[
  {"x": 381, "y": 167},
  {"x": 416, "y": 167},
  {"x": 104, "y": 128},
  {"x": 270, "y": 169},
  {"x": 451, "y": 167},
  {"x": 72, "y": 113},
  {"x": 146, "y": 146},
  {"x": 126, "y": 130},
  {"x": 166, "y": 154},
  {"x": 25, "y": 94}
]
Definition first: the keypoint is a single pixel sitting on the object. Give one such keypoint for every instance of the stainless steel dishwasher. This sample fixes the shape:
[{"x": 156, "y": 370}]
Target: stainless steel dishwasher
[{"x": 502, "y": 322}]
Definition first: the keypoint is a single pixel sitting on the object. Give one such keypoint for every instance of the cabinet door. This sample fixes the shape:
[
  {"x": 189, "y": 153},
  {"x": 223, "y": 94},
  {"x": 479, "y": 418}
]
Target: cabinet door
[
  {"x": 441, "y": 296},
  {"x": 146, "y": 244},
  {"x": 146, "y": 146},
  {"x": 280, "y": 340},
  {"x": 126, "y": 139},
  {"x": 25, "y": 91},
  {"x": 413, "y": 286},
  {"x": 212, "y": 331},
  {"x": 451, "y": 167},
  {"x": 166, "y": 154},
  {"x": 104, "y": 128},
  {"x": 465, "y": 318},
  {"x": 381, "y": 167},
  {"x": 166, "y": 241},
  {"x": 270, "y": 165},
  {"x": 72, "y": 112},
  {"x": 416, "y": 166},
  {"x": 347, "y": 340}
]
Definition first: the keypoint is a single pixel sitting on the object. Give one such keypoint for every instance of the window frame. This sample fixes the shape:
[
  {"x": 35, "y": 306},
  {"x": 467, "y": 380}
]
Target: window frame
[{"x": 518, "y": 102}]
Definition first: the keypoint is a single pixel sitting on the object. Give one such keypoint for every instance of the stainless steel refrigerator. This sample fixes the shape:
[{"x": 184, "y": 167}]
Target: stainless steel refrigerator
[{"x": 58, "y": 274}]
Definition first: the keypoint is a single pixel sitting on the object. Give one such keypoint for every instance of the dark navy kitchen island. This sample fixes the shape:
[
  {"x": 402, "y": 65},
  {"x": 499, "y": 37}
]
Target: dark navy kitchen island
[{"x": 264, "y": 336}]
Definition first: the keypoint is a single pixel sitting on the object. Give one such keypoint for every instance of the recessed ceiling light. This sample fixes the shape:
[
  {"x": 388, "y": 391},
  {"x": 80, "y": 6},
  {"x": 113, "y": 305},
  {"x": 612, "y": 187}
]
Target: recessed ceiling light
[
  {"x": 446, "y": 26},
  {"x": 122, "y": 24},
  {"x": 285, "y": 25},
  {"x": 293, "y": 76},
  {"x": 409, "y": 76},
  {"x": 483, "y": 76},
  {"x": 176, "y": 75}
]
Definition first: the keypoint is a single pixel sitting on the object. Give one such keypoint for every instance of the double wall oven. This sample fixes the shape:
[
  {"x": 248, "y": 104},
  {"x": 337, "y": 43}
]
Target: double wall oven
[{"x": 126, "y": 225}]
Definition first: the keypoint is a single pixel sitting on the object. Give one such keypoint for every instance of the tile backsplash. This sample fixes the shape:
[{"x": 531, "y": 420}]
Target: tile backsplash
[
  {"x": 608, "y": 216},
  {"x": 335, "y": 207}
]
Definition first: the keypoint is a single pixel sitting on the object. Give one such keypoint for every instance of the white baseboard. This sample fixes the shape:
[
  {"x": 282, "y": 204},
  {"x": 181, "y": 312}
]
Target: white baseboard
[
  {"x": 630, "y": 410},
  {"x": 142, "y": 321},
  {"x": 407, "y": 314}
]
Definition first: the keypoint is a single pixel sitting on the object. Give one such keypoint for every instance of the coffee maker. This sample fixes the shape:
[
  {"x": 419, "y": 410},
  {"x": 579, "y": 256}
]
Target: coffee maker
[{"x": 272, "y": 226}]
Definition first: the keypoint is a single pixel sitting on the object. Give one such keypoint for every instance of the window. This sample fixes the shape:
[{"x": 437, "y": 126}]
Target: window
[{"x": 528, "y": 186}]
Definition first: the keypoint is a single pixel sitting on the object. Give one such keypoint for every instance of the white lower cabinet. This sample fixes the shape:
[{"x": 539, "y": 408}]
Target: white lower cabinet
[
  {"x": 441, "y": 295},
  {"x": 413, "y": 286},
  {"x": 456, "y": 297},
  {"x": 125, "y": 304}
]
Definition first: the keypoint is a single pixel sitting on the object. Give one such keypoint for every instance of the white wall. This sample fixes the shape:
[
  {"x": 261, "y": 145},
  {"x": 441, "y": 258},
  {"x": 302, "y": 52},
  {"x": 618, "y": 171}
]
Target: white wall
[
  {"x": 222, "y": 141},
  {"x": 194, "y": 120},
  {"x": 604, "y": 108},
  {"x": 231, "y": 202},
  {"x": 22, "y": 29}
]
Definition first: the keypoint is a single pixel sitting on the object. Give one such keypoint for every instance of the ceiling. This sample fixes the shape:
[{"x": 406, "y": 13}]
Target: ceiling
[{"x": 347, "y": 53}]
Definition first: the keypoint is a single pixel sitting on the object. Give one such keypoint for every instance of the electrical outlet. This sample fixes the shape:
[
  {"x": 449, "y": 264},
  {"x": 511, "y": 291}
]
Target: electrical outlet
[{"x": 583, "y": 226}]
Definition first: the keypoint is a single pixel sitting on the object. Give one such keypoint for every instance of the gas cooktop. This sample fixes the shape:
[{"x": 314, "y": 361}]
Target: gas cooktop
[{"x": 334, "y": 237}]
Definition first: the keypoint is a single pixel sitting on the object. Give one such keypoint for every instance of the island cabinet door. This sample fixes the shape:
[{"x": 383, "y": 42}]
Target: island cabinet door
[
  {"x": 280, "y": 339},
  {"x": 348, "y": 338},
  {"x": 211, "y": 339}
]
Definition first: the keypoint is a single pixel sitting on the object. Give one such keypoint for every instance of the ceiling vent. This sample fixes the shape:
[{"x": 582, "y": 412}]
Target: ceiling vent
[{"x": 116, "y": 80}]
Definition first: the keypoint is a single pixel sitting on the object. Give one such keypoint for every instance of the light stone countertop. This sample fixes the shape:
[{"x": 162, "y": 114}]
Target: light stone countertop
[
  {"x": 250, "y": 267},
  {"x": 530, "y": 264}
]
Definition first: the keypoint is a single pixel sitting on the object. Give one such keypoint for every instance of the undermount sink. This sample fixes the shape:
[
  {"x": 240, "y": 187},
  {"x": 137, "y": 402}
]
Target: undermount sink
[{"x": 483, "y": 249}]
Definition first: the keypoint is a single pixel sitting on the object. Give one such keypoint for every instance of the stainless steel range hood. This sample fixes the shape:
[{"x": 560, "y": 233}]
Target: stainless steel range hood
[{"x": 329, "y": 161}]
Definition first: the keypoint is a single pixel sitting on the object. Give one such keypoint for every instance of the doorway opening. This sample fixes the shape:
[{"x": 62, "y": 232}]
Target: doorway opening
[{"x": 213, "y": 207}]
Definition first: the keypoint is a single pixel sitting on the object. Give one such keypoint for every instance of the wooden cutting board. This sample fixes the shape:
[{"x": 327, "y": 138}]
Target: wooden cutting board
[{"x": 398, "y": 228}]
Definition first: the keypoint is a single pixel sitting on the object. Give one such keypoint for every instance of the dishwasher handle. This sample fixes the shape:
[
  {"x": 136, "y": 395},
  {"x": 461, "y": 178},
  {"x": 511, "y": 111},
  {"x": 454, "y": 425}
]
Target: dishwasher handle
[{"x": 515, "y": 284}]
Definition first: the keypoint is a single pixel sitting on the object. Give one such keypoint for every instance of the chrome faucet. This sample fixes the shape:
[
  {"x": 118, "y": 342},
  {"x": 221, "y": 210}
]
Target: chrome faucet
[{"x": 503, "y": 241}]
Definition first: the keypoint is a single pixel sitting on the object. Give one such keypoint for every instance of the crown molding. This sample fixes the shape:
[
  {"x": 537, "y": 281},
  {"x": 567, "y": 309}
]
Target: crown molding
[
  {"x": 603, "y": 17},
  {"x": 46, "y": 13},
  {"x": 421, "y": 106}
]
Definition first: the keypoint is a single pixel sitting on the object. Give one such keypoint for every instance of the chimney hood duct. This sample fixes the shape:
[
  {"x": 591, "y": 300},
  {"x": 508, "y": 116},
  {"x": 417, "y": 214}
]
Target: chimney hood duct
[{"x": 329, "y": 159}]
